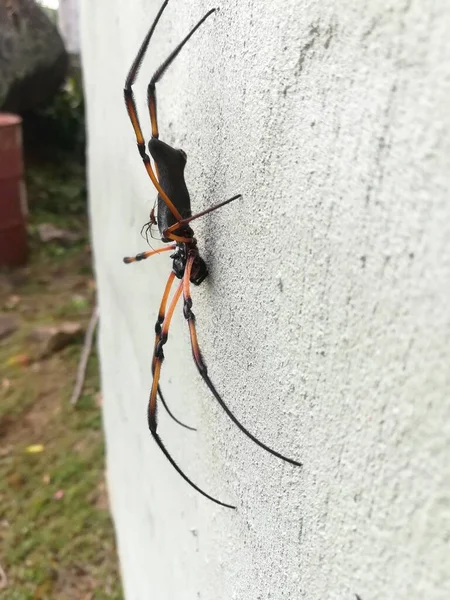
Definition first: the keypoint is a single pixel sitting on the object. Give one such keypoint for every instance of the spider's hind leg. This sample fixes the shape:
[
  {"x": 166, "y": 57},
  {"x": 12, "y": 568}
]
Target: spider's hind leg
[
  {"x": 158, "y": 357},
  {"x": 158, "y": 333},
  {"x": 202, "y": 369}
]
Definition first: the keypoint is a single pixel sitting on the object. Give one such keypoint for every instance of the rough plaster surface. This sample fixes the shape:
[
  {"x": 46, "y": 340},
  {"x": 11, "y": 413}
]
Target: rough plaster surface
[
  {"x": 68, "y": 22},
  {"x": 325, "y": 320}
]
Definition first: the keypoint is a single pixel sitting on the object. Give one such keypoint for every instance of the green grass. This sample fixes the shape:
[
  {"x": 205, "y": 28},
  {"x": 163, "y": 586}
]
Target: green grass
[{"x": 56, "y": 535}]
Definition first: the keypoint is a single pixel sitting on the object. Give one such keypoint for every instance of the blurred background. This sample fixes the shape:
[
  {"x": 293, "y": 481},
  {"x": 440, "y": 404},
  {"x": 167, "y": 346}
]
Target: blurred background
[{"x": 56, "y": 536}]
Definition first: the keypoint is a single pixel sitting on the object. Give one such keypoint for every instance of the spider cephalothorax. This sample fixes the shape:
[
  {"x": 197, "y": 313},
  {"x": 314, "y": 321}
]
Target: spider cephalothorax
[{"x": 199, "y": 269}]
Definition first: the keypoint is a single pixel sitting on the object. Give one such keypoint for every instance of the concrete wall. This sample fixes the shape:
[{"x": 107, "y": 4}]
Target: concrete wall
[
  {"x": 324, "y": 321},
  {"x": 68, "y": 22}
]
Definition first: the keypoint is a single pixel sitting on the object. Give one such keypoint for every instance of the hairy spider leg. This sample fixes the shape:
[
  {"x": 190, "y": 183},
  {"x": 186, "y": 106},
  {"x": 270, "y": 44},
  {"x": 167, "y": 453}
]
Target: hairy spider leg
[
  {"x": 152, "y": 418},
  {"x": 158, "y": 324},
  {"x": 202, "y": 369}
]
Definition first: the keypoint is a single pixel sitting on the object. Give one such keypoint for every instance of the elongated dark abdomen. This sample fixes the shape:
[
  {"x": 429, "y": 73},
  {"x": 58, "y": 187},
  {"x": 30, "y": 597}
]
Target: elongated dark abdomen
[{"x": 170, "y": 163}]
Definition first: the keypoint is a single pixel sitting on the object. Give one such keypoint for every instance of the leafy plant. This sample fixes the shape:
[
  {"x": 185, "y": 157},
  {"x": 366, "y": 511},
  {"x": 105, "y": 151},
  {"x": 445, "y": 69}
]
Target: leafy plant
[
  {"x": 57, "y": 130},
  {"x": 59, "y": 189}
]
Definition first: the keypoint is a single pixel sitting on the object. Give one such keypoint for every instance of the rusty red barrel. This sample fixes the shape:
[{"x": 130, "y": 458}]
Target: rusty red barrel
[{"x": 13, "y": 233}]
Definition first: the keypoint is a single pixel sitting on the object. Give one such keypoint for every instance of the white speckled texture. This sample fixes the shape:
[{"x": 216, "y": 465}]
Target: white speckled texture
[{"x": 325, "y": 320}]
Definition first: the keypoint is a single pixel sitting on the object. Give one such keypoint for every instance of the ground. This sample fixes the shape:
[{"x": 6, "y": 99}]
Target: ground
[{"x": 56, "y": 535}]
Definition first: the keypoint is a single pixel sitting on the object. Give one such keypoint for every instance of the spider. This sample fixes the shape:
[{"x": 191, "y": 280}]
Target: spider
[{"x": 173, "y": 220}]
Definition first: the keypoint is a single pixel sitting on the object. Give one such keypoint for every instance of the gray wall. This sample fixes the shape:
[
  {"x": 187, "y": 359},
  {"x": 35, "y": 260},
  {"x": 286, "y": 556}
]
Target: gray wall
[
  {"x": 324, "y": 321},
  {"x": 68, "y": 22}
]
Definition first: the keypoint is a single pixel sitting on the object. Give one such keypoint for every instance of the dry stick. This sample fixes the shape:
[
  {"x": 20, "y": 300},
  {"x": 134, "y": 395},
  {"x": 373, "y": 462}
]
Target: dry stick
[
  {"x": 3, "y": 579},
  {"x": 81, "y": 374}
]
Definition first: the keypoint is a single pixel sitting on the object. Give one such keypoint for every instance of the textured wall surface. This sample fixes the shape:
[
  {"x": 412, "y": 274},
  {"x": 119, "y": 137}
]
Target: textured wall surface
[
  {"x": 68, "y": 22},
  {"x": 324, "y": 321}
]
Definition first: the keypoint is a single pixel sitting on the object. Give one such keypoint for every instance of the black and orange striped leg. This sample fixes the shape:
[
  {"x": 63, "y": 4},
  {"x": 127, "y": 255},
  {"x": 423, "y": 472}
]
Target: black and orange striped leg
[
  {"x": 132, "y": 112},
  {"x": 143, "y": 255},
  {"x": 190, "y": 317},
  {"x": 158, "y": 329},
  {"x": 158, "y": 357},
  {"x": 158, "y": 353},
  {"x": 152, "y": 106}
]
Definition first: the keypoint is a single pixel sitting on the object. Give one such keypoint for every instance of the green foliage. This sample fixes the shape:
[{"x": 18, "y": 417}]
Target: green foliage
[
  {"x": 57, "y": 130},
  {"x": 64, "y": 118},
  {"x": 55, "y": 188},
  {"x": 54, "y": 144}
]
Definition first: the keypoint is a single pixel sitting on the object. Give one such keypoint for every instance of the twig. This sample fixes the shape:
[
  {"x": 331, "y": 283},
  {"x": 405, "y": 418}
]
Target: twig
[
  {"x": 87, "y": 346},
  {"x": 3, "y": 579}
]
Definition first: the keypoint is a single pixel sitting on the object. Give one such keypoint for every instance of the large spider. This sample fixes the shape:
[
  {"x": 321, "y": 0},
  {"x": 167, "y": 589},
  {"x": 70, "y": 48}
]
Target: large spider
[{"x": 173, "y": 219}]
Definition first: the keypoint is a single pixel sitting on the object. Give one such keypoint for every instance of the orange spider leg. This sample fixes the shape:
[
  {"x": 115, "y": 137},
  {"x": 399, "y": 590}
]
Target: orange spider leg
[
  {"x": 143, "y": 255},
  {"x": 132, "y": 112},
  {"x": 152, "y": 420}
]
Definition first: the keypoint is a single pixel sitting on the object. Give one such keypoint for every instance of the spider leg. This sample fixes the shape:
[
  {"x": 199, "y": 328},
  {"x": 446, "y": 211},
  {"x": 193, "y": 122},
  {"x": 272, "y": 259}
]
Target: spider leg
[
  {"x": 169, "y": 412},
  {"x": 132, "y": 112},
  {"x": 152, "y": 420},
  {"x": 151, "y": 98},
  {"x": 151, "y": 93},
  {"x": 158, "y": 324},
  {"x": 148, "y": 226},
  {"x": 175, "y": 226},
  {"x": 190, "y": 317},
  {"x": 143, "y": 255}
]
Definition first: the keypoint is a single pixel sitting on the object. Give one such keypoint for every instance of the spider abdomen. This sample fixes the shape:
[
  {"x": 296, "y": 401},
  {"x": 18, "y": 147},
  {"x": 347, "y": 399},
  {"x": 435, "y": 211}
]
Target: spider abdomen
[{"x": 170, "y": 163}]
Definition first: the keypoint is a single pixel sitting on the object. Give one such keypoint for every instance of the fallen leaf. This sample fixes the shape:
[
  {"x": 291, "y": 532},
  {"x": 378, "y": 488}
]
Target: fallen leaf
[
  {"x": 12, "y": 302},
  {"x": 35, "y": 448},
  {"x": 46, "y": 478},
  {"x": 19, "y": 360},
  {"x": 16, "y": 480}
]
